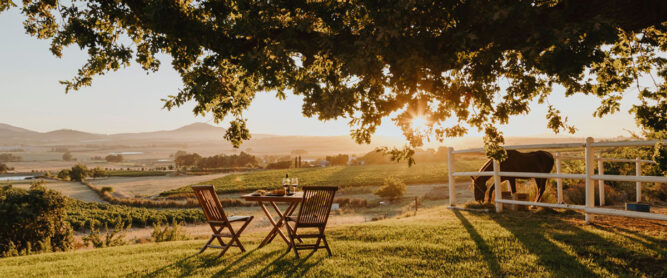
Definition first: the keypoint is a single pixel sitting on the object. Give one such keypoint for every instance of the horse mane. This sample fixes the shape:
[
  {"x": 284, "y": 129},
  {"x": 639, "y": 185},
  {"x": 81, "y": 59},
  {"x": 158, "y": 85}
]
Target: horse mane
[{"x": 486, "y": 167}]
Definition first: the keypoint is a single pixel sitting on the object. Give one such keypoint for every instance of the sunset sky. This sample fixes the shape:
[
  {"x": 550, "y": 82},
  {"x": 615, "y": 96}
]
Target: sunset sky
[{"x": 129, "y": 100}]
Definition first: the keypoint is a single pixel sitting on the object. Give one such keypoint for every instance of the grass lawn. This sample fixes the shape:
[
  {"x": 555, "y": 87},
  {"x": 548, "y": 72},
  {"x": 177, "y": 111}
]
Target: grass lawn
[
  {"x": 437, "y": 242},
  {"x": 343, "y": 176}
]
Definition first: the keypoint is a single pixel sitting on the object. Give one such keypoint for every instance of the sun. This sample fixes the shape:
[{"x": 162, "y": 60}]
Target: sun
[{"x": 419, "y": 124}]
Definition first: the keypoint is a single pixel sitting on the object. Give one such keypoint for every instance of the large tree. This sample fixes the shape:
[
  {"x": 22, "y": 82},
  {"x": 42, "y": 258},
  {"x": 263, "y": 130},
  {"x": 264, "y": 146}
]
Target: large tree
[{"x": 477, "y": 62}]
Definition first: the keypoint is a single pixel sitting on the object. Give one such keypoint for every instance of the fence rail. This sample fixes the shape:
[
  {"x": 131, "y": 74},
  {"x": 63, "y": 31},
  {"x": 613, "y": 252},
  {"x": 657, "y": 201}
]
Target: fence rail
[{"x": 589, "y": 176}]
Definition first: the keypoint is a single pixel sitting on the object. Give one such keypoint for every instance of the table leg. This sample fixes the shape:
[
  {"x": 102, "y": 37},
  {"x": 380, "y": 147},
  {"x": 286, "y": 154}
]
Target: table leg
[
  {"x": 276, "y": 227},
  {"x": 283, "y": 218}
]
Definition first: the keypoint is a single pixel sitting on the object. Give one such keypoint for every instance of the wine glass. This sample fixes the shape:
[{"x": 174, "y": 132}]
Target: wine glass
[{"x": 295, "y": 183}]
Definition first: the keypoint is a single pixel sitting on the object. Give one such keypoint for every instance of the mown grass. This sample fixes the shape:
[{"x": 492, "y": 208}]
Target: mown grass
[
  {"x": 435, "y": 243},
  {"x": 343, "y": 176}
]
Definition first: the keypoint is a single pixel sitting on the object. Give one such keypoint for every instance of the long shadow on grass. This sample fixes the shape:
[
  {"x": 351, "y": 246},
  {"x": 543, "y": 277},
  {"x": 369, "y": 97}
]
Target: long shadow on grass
[
  {"x": 241, "y": 265},
  {"x": 659, "y": 245},
  {"x": 489, "y": 257},
  {"x": 538, "y": 236},
  {"x": 189, "y": 265},
  {"x": 289, "y": 267}
]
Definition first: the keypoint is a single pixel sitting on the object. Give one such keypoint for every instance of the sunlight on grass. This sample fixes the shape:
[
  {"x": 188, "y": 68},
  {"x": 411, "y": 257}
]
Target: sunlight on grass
[{"x": 435, "y": 243}]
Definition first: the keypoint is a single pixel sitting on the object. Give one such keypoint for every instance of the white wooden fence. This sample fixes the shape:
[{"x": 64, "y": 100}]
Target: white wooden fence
[{"x": 589, "y": 176}]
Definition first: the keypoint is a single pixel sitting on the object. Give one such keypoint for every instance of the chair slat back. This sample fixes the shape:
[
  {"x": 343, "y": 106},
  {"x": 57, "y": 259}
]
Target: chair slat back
[
  {"x": 316, "y": 205},
  {"x": 209, "y": 202}
]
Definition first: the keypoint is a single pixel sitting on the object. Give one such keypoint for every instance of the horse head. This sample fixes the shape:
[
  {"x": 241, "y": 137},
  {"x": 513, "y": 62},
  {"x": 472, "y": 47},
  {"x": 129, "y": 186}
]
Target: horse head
[{"x": 479, "y": 187}]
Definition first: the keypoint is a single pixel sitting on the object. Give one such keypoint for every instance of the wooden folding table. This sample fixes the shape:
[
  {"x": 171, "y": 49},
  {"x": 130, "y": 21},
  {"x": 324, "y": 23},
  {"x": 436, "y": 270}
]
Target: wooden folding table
[{"x": 291, "y": 200}]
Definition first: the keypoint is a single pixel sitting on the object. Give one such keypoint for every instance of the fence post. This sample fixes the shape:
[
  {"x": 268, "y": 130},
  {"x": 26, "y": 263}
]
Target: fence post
[
  {"x": 590, "y": 190},
  {"x": 638, "y": 173},
  {"x": 496, "y": 182},
  {"x": 601, "y": 181},
  {"x": 450, "y": 176},
  {"x": 559, "y": 181}
]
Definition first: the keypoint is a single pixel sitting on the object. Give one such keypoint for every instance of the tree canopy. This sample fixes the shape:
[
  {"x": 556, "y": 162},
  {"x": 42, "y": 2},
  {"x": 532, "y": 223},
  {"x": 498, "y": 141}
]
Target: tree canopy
[{"x": 473, "y": 63}]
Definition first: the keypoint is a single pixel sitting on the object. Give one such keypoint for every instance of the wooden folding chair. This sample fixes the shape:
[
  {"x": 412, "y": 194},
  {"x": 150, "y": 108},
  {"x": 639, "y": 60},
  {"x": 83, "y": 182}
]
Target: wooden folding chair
[
  {"x": 314, "y": 213},
  {"x": 218, "y": 220}
]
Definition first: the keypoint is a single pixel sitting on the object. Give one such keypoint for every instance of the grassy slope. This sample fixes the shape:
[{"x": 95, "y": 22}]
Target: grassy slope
[
  {"x": 437, "y": 242},
  {"x": 342, "y": 176}
]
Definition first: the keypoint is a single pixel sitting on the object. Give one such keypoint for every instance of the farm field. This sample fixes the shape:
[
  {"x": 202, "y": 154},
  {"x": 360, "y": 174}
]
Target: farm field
[
  {"x": 74, "y": 190},
  {"x": 151, "y": 185},
  {"x": 436, "y": 242},
  {"x": 343, "y": 176}
]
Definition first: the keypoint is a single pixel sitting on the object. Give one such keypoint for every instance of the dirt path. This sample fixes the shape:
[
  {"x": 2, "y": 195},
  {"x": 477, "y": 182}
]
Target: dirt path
[{"x": 150, "y": 186}]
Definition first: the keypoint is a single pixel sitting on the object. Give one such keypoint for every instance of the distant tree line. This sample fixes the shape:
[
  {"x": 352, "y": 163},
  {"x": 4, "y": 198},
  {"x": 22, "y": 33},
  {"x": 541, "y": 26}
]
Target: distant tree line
[
  {"x": 80, "y": 172},
  {"x": 243, "y": 159},
  {"x": 8, "y": 157},
  {"x": 338, "y": 160}
]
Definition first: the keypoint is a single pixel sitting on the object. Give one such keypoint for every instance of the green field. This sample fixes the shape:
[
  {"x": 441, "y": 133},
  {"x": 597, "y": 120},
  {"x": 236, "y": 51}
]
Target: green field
[
  {"x": 436, "y": 243},
  {"x": 343, "y": 176}
]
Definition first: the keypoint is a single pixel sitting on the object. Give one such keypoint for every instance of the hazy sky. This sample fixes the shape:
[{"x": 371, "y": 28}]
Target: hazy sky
[{"x": 129, "y": 100}]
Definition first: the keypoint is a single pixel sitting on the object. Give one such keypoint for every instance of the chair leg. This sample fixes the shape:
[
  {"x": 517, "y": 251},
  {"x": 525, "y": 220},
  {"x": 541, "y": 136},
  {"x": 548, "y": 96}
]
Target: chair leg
[
  {"x": 317, "y": 244},
  {"x": 326, "y": 245},
  {"x": 293, "y": 245},
  {"x": 231, "y": 241},
  {"x": 211, "y": 239},
  {"x": 324, "y": 239},
  {"x": 206, "y": 244}
]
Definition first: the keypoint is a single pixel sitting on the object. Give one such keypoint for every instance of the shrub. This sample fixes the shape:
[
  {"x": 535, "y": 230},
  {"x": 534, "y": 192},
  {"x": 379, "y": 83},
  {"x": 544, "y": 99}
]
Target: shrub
[
  {"x": 656, "y": 193},
  {"x": 64, "y": 174},
  {"x": 98, "y": 172},
  {"x": 113, "y": 237},
  {"x": 114, "y": 158},
  {"x": 392, "y": 189},
  {"x": 169, "y": 233},
  {"x": 107, "y": 189},
  {"x": 3, "y": 168},
  {"x": 79, "y": 172},
  {"x": 576, "y": 194},
  {"x": 33, "y": 220},
  {"x": 67, "y": 156}
]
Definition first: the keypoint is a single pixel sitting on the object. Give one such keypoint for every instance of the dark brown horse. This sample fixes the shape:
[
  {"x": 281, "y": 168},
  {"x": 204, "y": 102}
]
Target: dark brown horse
[{"x": 537, "y": 162}]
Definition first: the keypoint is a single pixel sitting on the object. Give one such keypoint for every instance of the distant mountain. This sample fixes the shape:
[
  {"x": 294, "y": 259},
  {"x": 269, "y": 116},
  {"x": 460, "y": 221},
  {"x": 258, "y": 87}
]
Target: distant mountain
[
  {"x": 207, "y": 139},
  {"x": 196, "y": 132},
  {"x": 10, "y": 128},
  {"x": 12, "y": 133},
  {"x": 70, "y": 135},
  {"x": 200, "y": 127}
]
